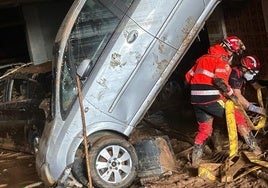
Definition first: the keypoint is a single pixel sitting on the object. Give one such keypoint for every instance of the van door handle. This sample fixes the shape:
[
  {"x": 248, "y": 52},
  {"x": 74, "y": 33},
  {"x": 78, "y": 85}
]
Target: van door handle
[{"x": 132, "y": 36}]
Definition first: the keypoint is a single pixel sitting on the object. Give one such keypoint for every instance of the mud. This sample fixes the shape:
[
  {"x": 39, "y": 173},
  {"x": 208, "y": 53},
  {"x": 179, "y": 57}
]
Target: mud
[
  {"x": 184, "y": 175},
  {"x": 17, "y": 170}
]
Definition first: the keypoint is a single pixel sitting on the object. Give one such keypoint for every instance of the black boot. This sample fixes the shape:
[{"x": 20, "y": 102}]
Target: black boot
[
  {"x": 197, "y": 155},
  {"x": 252, "y": 143}
]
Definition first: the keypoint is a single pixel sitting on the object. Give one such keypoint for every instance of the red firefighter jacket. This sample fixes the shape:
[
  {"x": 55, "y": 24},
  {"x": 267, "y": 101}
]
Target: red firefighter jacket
[{"x": 200, "y": 76}]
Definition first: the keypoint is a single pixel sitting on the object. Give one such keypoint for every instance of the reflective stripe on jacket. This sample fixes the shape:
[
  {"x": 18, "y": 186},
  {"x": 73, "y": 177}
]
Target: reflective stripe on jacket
[{"x": 200, "y": 76}]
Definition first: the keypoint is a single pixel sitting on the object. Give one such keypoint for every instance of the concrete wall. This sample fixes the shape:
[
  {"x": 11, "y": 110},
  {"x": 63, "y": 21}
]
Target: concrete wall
[{"x": 42, "y": 22}]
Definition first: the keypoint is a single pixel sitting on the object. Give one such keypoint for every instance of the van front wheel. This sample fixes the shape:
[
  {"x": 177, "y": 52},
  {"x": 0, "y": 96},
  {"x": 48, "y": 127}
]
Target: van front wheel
[{"x": 113, "y": 162}]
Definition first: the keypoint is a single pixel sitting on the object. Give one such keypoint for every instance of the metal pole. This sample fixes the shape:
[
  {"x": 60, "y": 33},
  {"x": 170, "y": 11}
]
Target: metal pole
[{"x": 84, "y": 131}]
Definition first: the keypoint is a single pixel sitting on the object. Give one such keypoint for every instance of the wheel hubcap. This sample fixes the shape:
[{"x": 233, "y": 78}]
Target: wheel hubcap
[{"x": 113, "y": 164}]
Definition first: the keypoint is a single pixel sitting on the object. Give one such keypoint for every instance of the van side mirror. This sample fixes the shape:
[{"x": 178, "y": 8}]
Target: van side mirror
[{"x": 84, "y": 68}]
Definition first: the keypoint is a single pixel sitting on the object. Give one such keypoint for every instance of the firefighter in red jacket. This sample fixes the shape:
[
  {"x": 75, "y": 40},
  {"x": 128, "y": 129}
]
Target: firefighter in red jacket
[
  {"x": 245, "y": 72},
  {"x": 207, "y": 100}
]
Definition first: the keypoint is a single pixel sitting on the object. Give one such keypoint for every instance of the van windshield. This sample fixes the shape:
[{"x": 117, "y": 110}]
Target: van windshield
[{"x": 90, "y": 34}]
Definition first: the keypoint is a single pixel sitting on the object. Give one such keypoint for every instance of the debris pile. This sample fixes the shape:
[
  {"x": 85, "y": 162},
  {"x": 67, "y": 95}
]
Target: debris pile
[{"x": 218, "y": 169}]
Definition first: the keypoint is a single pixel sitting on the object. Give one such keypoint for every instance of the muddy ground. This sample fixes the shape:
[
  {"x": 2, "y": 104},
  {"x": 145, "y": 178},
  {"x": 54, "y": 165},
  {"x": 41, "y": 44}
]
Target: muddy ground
[
  {"x": 17, "y": 170},
  {"x": 181, "y": 133}
]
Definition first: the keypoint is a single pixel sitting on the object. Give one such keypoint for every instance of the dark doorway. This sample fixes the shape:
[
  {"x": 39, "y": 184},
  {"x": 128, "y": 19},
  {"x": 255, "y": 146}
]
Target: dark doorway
[{"x": 13, "y": 45}]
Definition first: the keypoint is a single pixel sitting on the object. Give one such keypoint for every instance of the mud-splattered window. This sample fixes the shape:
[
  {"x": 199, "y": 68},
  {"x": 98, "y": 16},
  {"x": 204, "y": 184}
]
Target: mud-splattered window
[{"x": 93, "y": 29}]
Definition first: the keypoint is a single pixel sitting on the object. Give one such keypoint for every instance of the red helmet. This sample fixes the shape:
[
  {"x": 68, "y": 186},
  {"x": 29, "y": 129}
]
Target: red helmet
[
  {"x": 251, "y": 62},
  {"x": 234, "y": 44}
]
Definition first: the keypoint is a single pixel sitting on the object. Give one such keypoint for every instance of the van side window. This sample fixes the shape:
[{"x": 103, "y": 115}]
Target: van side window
[{"x": 68, "y": 89}]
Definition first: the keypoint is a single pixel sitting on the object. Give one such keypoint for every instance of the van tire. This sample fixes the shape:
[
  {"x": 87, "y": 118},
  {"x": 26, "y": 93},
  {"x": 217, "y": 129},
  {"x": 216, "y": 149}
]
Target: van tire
[
  {"x": 108, "y": 145},
  {"x": 79, "y": 169},
  {"x": 97, "y": 142}
]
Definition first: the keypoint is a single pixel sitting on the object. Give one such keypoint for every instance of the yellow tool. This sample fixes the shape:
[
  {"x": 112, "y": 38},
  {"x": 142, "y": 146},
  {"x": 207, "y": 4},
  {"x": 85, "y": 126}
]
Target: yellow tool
[
  {"x": 231, "y": 127},
  {"x": 229, "y": 170},
  {"x": 262, "y": 120},
  {"x": 234, "y": 162}
]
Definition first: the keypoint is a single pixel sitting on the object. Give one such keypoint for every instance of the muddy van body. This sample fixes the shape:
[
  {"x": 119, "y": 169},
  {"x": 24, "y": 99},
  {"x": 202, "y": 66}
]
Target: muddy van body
[{"x": 124, "y": 52}]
